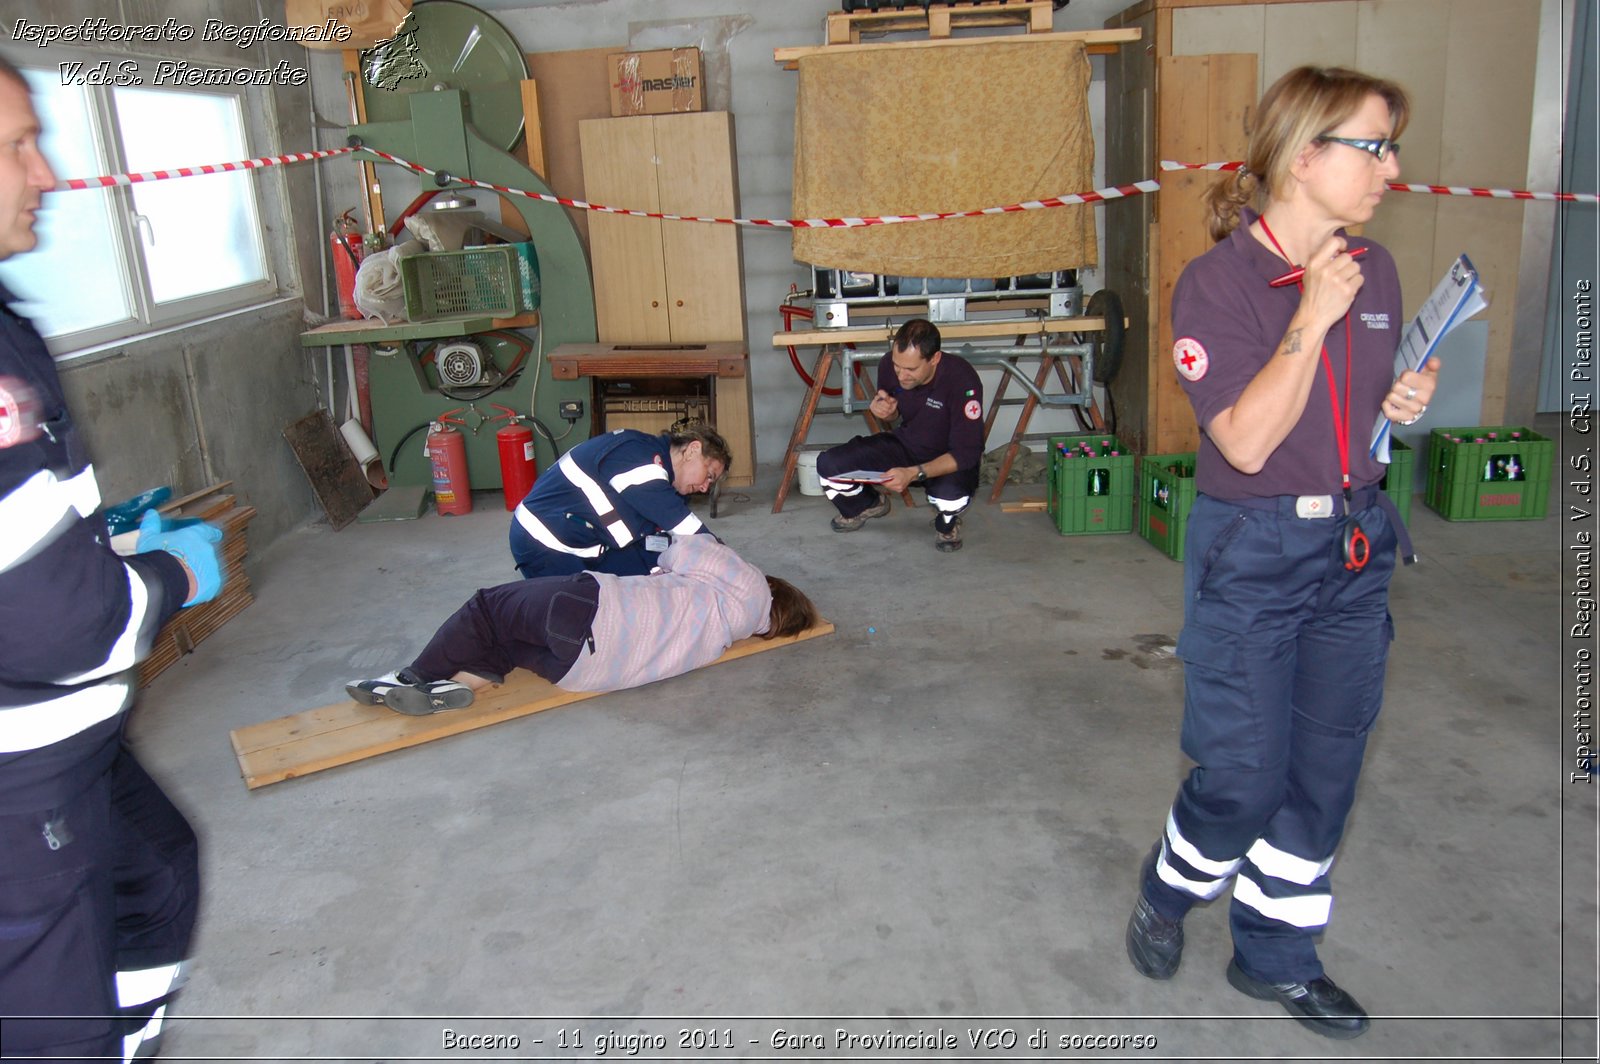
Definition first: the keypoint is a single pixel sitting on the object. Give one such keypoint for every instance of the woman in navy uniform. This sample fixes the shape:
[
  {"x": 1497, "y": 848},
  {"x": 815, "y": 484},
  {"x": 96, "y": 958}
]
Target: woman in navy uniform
[
  {"x": 1290, "y": 544},
  {"x": 611, "y": 503}
]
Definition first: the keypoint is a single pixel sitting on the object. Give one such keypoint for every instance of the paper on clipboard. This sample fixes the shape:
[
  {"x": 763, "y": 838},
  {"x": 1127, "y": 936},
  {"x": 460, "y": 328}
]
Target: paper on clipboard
[{"x": 1457, "y": 297}]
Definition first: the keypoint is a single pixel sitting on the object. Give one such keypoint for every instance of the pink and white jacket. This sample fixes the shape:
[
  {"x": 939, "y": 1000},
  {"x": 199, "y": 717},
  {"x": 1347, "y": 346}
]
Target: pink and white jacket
[{"x": 701, "y": 600}]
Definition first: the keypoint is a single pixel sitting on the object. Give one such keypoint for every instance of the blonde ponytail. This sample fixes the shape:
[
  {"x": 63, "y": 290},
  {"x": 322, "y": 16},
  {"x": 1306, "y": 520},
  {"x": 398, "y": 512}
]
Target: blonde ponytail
[{"x": 1226, "y": 198}]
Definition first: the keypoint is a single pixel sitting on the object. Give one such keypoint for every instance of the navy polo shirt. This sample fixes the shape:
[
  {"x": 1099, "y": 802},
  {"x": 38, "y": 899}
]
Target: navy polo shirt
[{"x": 1228, "y": 321}]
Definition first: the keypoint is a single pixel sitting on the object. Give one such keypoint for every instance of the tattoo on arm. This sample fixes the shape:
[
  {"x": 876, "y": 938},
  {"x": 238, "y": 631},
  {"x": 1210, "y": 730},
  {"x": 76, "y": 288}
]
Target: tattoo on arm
[{"x": 1291, "y": 343}]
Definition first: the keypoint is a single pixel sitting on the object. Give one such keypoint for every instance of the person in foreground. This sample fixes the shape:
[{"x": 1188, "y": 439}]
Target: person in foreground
[
  {"x": 596, "y": 631},
  {"x": 938, "y": 443},
  {"x": 611, "y": 501},
  {"x": 1290, "y": 544},
  {"x": 99, "y": 878}
]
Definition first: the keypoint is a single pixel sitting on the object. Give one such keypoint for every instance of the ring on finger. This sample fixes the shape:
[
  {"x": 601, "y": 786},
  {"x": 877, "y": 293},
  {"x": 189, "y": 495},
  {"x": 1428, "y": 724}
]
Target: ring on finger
[{"x": 1411, "y": 393}]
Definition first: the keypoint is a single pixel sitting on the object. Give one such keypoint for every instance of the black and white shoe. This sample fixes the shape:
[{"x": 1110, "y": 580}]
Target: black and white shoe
[
  {"x": 415, "y": 698},
  {"x": 1320, "y": 1005}
]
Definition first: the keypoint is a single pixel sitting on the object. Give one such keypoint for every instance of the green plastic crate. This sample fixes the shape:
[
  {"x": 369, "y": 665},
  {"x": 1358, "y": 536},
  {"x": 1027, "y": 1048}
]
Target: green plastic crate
[
  {"x": 501, "y": 281},
  {"x": 1090, "y": 496},
  {"x": 528, "y": 275},
  {"x": 1165, "y": 500},
  {"x": 1399, "y": 477},
  {"x": 1504, "y": 478}
]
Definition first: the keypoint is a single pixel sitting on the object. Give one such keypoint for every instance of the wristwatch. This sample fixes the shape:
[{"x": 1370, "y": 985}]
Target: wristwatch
[{"x": 922, "y": 474}]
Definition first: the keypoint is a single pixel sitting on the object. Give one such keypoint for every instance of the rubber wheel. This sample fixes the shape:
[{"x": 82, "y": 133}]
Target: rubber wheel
[{"x": 1108, "y": 344}]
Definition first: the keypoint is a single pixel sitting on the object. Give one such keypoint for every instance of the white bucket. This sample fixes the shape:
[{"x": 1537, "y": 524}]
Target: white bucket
[{"x": 810, "y": 483}]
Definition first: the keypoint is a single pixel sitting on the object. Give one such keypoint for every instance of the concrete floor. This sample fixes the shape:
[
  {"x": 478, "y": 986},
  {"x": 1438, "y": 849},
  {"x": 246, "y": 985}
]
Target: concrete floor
[{"x": 928, "y": 822}]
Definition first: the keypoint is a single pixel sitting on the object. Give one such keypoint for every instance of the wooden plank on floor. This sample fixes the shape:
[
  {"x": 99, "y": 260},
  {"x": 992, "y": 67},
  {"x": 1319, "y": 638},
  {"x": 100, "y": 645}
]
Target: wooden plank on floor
[{"x": 338, "y": 734}]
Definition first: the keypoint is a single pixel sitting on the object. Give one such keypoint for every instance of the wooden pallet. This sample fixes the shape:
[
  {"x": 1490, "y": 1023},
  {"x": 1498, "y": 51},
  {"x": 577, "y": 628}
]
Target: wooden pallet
[
  {"x": 1095, "y": 42},
  {"x": 339, "y": 734},
  {"x": 847, "y": 27},
  {"x": 192, "y": 624}
]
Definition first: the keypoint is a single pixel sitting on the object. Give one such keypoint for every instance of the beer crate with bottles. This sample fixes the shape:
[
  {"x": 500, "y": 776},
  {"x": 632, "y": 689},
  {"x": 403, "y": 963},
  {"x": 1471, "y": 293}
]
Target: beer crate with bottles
[
  {"x": 1090, "y": 484},
  {"x": 1488, "y": 473}
]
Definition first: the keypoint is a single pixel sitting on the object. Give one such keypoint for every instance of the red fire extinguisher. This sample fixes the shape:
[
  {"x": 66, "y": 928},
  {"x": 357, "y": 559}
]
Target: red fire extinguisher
[
  {"x": 447, "y": 452},
  {"x": 517, "y": 468}
]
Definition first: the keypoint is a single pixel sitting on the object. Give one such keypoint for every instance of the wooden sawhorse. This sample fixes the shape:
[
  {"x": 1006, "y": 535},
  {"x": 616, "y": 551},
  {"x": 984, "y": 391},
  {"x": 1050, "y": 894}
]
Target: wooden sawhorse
[{"x": 829, "y": 354}]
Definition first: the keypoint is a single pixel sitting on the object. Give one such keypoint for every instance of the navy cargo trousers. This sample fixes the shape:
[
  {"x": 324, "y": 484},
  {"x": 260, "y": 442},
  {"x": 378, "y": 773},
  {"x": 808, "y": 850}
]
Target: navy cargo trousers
[
  {"x": 949, "y": 494},
  {"x": 1284, "y": 653}
]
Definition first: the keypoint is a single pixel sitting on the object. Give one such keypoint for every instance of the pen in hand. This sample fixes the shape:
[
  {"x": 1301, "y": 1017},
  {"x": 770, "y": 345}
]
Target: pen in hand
[{"x": 1294, "y": 275}]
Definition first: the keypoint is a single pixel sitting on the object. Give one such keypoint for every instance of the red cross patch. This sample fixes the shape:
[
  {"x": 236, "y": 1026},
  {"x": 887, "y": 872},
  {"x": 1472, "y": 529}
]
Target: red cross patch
[
  {"x": 19, "y": 414},
  {"x": 972, "y": 410},
  {"x": 1189, "y": 355}
]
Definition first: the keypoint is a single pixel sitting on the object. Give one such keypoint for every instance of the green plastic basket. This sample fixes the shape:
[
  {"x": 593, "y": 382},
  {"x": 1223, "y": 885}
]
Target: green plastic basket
[
  {"x": 1506, "y": 477},
  {"x": 1090, "y": 495},
  {"x": 1165, "y": 499},
  {"x": 1399, "y": 477},
  {"x": 501, "y": 281}
]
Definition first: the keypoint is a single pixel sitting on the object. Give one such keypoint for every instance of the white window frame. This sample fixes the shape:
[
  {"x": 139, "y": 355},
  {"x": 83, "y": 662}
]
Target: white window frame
[{"x": 146, "y": 315}]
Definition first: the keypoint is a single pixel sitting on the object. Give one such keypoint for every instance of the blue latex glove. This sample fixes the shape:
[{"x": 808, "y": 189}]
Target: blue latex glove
[{"x": 195, "y": 545}]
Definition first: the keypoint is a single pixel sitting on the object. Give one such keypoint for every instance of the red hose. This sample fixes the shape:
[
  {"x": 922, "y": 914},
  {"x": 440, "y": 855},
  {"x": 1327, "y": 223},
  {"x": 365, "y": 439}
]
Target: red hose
[
  {"x": 416, "y": 205},
  {"x": 790, "y": 312}
]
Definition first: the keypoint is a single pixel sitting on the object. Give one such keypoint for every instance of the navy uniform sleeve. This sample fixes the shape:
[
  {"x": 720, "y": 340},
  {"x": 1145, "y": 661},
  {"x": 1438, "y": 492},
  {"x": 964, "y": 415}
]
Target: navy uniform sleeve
[
  {"x": 1210, "y": 309},
  {"x": 70, "y": 608},
  {"x": 965, "y": 403},
  {"x": 644, "y": 486}
]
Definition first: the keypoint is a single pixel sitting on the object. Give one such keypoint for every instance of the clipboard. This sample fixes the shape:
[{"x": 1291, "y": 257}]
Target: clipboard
[
  {"x": 1458, "y": 296},
  {"x": 862, "y": 476}
]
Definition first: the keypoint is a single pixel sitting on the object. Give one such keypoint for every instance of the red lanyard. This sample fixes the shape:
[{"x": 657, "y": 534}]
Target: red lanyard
[{"x": 1341, "y": 430}]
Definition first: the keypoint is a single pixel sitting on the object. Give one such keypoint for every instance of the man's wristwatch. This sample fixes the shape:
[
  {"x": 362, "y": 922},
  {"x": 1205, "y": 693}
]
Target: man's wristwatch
[{"x": 922, "y": 474}]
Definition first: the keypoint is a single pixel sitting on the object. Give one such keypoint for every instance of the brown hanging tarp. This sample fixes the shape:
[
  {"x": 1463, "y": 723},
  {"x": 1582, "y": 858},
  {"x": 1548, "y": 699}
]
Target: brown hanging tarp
[{"x": 945, "y": 129}]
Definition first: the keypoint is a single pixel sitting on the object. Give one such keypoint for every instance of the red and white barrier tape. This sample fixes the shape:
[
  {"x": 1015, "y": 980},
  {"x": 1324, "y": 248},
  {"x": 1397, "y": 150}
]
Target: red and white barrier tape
[
  {"x": 1437, "y": 190},
  {"x": 1098, "y": 195},
  {"x": 193, "y": 171}
]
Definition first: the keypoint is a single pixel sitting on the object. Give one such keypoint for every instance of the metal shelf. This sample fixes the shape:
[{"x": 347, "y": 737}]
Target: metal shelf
[{"x": 366, "y": 332}]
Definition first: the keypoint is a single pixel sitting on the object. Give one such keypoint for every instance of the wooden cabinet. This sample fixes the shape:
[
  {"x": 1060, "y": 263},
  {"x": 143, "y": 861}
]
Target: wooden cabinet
[
  {"x": 663, "y": 282},
  {"x": 1473, "y": 69}
]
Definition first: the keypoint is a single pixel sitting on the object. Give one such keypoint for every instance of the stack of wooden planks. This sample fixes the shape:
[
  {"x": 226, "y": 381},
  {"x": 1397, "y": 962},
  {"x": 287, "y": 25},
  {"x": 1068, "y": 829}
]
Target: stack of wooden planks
[{"x": 192, "y": 624}]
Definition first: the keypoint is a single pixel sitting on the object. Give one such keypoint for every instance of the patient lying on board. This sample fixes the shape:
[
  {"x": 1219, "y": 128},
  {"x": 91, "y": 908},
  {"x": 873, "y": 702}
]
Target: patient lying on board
[{"x": 594, "y": 631}]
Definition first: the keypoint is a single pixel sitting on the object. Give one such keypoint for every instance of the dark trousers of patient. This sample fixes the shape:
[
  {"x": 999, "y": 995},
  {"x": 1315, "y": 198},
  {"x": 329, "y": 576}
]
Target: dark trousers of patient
[{"x": 540, "y": 625}]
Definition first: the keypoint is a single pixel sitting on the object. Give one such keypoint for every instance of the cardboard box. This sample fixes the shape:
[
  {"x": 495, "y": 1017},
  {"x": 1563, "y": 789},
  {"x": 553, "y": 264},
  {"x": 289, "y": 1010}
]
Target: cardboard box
[
  {"x": 662, "y": 82},
  {"x": 370, "y": 22}
]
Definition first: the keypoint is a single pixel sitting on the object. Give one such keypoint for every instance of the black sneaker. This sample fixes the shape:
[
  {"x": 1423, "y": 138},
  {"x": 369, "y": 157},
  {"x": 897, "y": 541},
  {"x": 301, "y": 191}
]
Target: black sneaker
[
  {"x": 1155, "y": 944},
  {"x": 950, "y": 541},
  {"x": 1319, "y": 1005},
  {"x": 413, "y": 699}
]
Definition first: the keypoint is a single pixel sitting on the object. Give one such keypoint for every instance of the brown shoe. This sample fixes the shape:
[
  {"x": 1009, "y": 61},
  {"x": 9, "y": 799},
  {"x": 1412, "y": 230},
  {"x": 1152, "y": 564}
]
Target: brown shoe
[
  {"x": 851, "y": 524},
  {"x": 947, "y": 541}
]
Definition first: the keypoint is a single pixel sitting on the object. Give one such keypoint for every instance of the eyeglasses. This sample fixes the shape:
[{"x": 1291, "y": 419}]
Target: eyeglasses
[{"x": 1378, "y": 149}]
